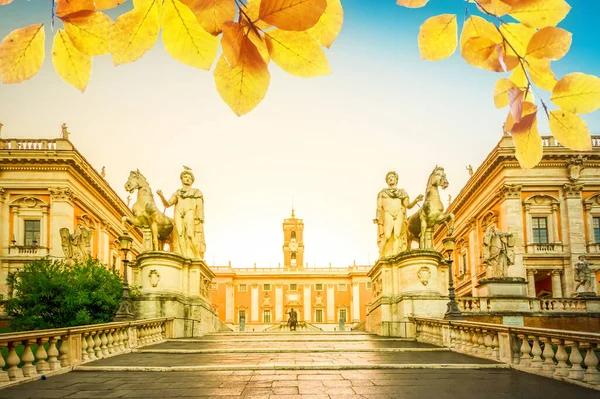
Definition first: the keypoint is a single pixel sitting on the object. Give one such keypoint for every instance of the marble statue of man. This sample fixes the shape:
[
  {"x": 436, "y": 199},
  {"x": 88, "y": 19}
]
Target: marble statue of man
[
  {"x": 188, "y": 216},
  {"x": 392, "y": 229},
  {"x": 583, "y": 274},
  {"x": 498, "y": 251}
]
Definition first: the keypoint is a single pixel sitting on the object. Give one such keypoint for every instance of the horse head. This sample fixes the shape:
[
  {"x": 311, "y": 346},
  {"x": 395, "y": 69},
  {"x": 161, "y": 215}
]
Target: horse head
[
  {"x": 438, "y": 178},
  {"x": 135, "y": 181}
]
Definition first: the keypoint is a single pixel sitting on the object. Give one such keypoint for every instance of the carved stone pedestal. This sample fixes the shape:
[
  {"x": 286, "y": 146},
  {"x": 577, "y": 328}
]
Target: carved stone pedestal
[
  {"x": 507, "y": 294},
  {"x": 411, "y": 284},
  {"x": 586, "y": 294}
]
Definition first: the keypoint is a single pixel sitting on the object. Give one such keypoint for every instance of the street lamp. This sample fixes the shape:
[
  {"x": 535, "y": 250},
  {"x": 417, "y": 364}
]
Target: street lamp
[
  {"x": 453, "y": 312},
  {"x": 124, "y": 313}
]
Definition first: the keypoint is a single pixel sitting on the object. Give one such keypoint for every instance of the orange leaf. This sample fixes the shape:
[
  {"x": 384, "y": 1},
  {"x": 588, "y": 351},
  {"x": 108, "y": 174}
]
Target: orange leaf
[
  {"x": 297, "y": 53},
  {"x": 73, "y": 66},
  {"x": 106, "y": 4},
  {"x": 3, "y": 2},
  {"x": 212, "y": 14},
  {"x": 570, "y": 130},
  {"x": 515, "y": 101},
  {"x": 90, "y": 34},
  {"x": 499, "y": 61},
  {"x": 252, "y": 9},
  {"x": 527, "y": 140},
  {"x": 477, "y": 26},
  {"x": 67, "y": 8},
  {"x": 297, "y": 15},
  {"x": 496, "y": 7},
  {"x": 539, "y": 13},
  {"x": 501, "y": 92},
  {"x": 244, "y": 86},
  {"x": 528, "y": 108},
  {"x": 411, "y": 3},
  {"x": 232, "y": 41},
  {"x": 437, "y": 37},
  {"x": 477, "y": 50},
  {"x": 135, "y": 32},
  {"x": 549, "y": 42},
  {"x": 22, "y": 54},
  {"x": 329, "y": 25}
]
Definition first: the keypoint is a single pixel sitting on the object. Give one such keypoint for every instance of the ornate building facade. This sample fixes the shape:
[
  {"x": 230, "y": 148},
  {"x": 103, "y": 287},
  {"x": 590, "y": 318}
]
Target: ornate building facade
[{"x": 552, "y": 213}]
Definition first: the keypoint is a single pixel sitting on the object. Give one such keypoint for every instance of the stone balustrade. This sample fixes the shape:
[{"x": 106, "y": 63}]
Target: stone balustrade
[
  {"x": 58, "y": 350},
  {"x": 561, "y": 305},
  {"x": 565, "y": 355},
  {"x": 470, "y": 304},
  {"x": 25, "y": 144},
  {"x": 543, "y": 305}
]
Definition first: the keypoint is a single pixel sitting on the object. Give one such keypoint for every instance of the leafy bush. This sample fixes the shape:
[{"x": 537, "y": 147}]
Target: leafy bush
[{"x": 54, "y": 294}]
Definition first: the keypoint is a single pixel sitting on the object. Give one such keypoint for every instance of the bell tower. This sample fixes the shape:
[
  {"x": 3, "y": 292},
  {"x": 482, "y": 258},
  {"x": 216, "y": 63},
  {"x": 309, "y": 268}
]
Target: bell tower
[{"x": 293, "y": 244}]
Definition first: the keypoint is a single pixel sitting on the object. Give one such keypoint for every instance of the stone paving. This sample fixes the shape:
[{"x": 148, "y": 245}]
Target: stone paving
[{"x": 412, "y": 370}]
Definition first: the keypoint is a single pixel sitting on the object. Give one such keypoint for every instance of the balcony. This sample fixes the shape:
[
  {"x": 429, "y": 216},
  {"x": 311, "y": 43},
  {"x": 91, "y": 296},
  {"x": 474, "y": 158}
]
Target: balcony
[
  {"x": 593, "y": 248},
  {"x": 547, "y": 248},
  {"x": 27, "y": 251}
]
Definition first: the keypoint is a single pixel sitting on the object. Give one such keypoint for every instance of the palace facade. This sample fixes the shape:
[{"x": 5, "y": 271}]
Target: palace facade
[{"x": 552, "y": 211}]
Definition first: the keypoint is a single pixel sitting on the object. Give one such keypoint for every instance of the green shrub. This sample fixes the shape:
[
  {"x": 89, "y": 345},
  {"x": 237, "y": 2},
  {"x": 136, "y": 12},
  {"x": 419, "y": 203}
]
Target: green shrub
[{"x": 54, "y": 294}]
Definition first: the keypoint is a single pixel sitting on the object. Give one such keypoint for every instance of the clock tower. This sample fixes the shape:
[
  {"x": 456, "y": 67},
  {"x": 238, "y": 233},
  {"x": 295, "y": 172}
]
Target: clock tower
[{"x": 293, "y": 244}]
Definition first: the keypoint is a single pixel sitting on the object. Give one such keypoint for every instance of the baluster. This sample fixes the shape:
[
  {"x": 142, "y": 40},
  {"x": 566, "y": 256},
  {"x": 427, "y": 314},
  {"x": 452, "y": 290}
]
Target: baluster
[
  {"x": 64, "y": 351},
  {"x": 14, "y": 372},
  {"x": 495, "y": 348},
  {"x": 475, "y": 341},
  {"x": 104, "y": 342},
  {"x": 548, "y": 354},
  {"x": 90, "y": 347},
  {"x": 515, "y": 349},
  {"x": 525, "y": 350},
  {"x": 536, "y": 351},
  {"x": 481, "y": 342},
  {"x": 591, "y": 361},
  {"x": 53, "y": 354},
  {"x": 487, "y": 342},
  {"x": 452, "y": 343},
  {"x": 576, "y": 371},
  {"x": 84, "y": 345},
  {"x": 110, "y": 339},
  {"x": 117, "y": 341},
  {"x": 97, "y": 345},
  {"x": 3, "y": 374},
  {"x": 562, "y": 368},
  {"x": 126, "y": 342},
  {"x": 40, "y": 354},
  {"x": 467, "y": 345},
  {"x": 27, "y": 358}
]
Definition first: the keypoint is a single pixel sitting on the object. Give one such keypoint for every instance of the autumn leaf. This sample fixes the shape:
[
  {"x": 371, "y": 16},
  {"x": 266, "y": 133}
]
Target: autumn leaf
[
  {"x": 90, "y": 34},
  {"x": 570, "y": 130},
  {"x": 232, "y": 41},
  {"x": 577, "y": 92},
  {"x": 515, "y": 101},
  {"x": 501, "y": 92},
  {"x": 296, "y": 15},
  {"x": 437, "y": 37},
  {"x": 3, "y": 2},
  {"x": 477, "y": 50},
  {"x": 212, "y": 14},
  {"x": 539, "y": 13},
  {"x": 134, "y": 32},
  {"x": 527, "y": 108},
  {"x": 22, "y": 54},
  {"x": 259, "y": 41},
  {"x": 329, "y": 25},
  {"x": 527, "y": 141},
  {"x": 518, "y": 77},
  {"x": 73, "y": 66},
  {"x": 477, "y": 26},
  {"x": 549, "y": 42},
  {"x": 244, "y": 86},
  {"x": 184, "y": 38},
  {"x": 518, "y": 35},
  {"x": 412, "y": 3},
  {"x": 297, "y": 53},
  {"x": 540, "y": 73},
  {"x": 496, "y": 7},
  {"x": 66, "y": 8},
  {"x": 252, "y": 9},
  {"x": 106, "y": 4}
]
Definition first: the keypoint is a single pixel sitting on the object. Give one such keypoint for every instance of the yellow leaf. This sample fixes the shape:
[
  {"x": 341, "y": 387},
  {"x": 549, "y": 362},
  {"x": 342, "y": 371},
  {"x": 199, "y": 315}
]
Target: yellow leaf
[
  {"x": 252, "y": 9},
  {"x": 3, "y": 2},
  {"x": 549, "y": 42},
  {"x": 184, "y": 38},
  {"x": 515, "y": 101},
  {"x": 437, "y": 37},
  {"x": 477, "y": 50},
  {"x": 570, "y": 130},
  {"x": 244, "y": 86},
  {"x": 259, "y": 42},
  {"x": 496, "y": 7},
  {"x": 518, "y": 35},
  {"x": 90, "y": 34},
  {"x": 527, "y": 140},
  {"x": 577, "y": 92},
  {"x": 501, "y": 92},
  {"x": 106, "y": 4},
  {"x": 327, "y": 29},
  {"x": 232, "y": 41},
  {"x": 212, "y": 14},
  {"x": 65, "y": 8},
  {"x": 539, "y": 13},
  {"x": 527, "y": 109},
  {"x": 22, "y": 54},
  {"x": 540, "y": 73},
  {"x": 477, "y": 26},
  {"x": 412, "y": 3},
  {"x": 134, "y": 32},
  {"x": 296, "y": 15},
  {"x": 297, "y": 53},
  {"x": 73, "y": 66},
  {"x": 518, "y": 77}
]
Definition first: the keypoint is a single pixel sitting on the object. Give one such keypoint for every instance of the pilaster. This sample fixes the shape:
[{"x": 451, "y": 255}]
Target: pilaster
[
  {"x": 512, "y": 217},
  {"x": 307, "y": 303},
  {"x": 62, "y": 211},
  {"x": 575, "y": 231}
]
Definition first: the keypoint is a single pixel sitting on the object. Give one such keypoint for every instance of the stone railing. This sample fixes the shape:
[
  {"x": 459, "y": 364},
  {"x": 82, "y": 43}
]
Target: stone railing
[
  {"x": 545, "y": 305},
  {"x": 24, "y": 144},
  {"x": 28, "y": 250},
  {"x": 301, "y": 326},
  {"x": 560, "y": 354},
  {"x": 560, "y": 305},
  {"x": 551, "y": 247},
  {"x": 33, "y": 353},
  {"x": 593, "y": 247},
  {"x": 469, "y": 304},
  {"x": 550, "y": 141}
]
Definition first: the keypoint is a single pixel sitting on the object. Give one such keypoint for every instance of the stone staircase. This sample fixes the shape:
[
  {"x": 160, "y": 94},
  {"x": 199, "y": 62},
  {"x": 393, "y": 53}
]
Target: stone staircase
[{"x": 311, "y": 365}]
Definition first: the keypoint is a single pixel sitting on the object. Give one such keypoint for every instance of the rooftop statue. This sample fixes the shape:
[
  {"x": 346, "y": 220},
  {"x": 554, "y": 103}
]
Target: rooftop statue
[
  {"x": 422, "y": 223},
  {"x": 392, "y": 203},
  {"x": 498, "y": 253},
  {"x": 146, "y": 213}
]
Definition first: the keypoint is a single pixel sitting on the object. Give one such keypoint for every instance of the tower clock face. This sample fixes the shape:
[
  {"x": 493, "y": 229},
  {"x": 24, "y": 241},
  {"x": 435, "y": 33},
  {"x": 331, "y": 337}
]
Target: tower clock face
[{"x": 293, "y": 245}]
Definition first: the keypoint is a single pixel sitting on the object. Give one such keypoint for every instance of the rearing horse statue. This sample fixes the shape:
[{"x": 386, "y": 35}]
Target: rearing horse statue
[
  {"x": 146, "y": 214},
  {"x": 421, "y": 224}
]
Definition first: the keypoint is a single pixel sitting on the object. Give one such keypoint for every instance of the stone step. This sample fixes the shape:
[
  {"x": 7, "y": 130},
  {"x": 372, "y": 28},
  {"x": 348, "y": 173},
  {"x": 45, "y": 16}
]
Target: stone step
[{"x": 289, "y": 350}]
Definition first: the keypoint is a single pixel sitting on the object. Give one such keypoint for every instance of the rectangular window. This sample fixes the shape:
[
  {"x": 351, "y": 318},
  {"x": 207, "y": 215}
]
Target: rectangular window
[
  {"x": 318, "y": 287},
  {"x": 596, "y": 222},
  {"x": 242, "y": 288},
  {"x": 241, "y": 315},
  {"x": 343, "y": 314},
  {"x": 32, "y": 233},
  {"x": 540, "y": 230},
  {"x": 266, "y": 316},
  {"x": 213, "y": 286},
  {"x": 465, "y": 265},
  {"x": 319, "y": 316},
  {"x": 342, "y": 287},
  {"x": 266, "y": 287},
  {"x": 114, "y": 263},
  {"x": 368, "y": 285},
  {"x": 293, "y": 287}
]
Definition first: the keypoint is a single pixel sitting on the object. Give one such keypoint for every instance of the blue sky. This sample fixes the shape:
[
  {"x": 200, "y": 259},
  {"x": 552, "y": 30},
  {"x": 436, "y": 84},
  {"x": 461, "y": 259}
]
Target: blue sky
[{"x": 327, "y": 142}]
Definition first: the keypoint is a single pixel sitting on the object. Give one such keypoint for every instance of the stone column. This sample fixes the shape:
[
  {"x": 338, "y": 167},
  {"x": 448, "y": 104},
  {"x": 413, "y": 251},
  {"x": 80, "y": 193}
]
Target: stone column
[
  {"x": 16, "y": 233},
  {"x": 4, "y": 228},
  {"x": 474, "y": 256},
  {"x": 355, "y": 303},
  {"x": 307, "y": 300},
  {"x": 254, "y": 303},
  {"x": 330, "y": 303},
  {"x": 531, "y": 283},
  {"x": 278, "y": 302},
  {"x": 511, "y": 214},
  {"x": 62, "y": 212},
  {"x": 555, "y": 232},
  {"x": 575, "y": 231},
  {"x": 44, "y": 227},
  {"x": 556, "y": 284},
  {"x": 229, "y": 303},
  {"x": 589, "y": 220},
  {"x": 528, "y": 226}
]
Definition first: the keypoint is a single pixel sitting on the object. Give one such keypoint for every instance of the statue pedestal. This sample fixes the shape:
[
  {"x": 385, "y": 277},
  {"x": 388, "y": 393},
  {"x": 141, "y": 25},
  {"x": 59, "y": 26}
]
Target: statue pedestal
[
  {"x": 169, "y": 285},
  {"x": 509, "y": 294},
  {"x": 586, "y": 294},
  {"x": 410, "y": 284}
]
